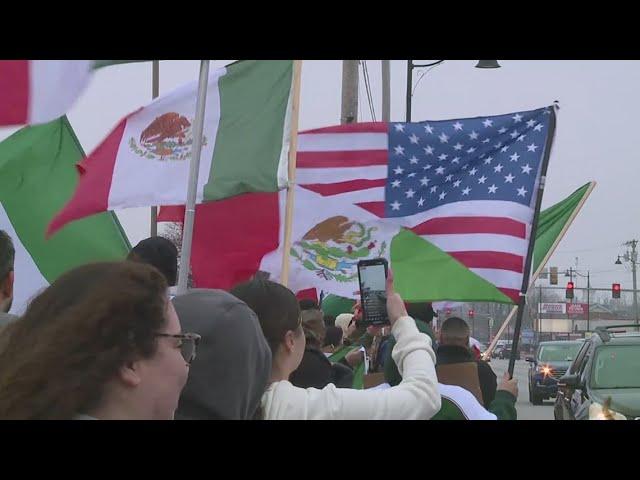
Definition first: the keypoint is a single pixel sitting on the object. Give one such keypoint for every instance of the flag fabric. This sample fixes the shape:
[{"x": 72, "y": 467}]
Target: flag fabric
[
  {"x": 465, "y": 189},
  {"x": 144, "y": 160},
  {"x": 550, "y": 224},
  {"x": 39, "y": 91},
  {"x": 37, "y": 175},
  {"x": 552, "y": 220}
]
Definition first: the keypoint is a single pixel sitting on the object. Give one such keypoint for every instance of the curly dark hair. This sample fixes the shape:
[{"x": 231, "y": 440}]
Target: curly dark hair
[{"x": 76, "y": 335}]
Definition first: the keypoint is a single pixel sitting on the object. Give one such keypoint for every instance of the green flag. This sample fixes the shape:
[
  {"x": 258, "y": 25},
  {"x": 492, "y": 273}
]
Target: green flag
[
  {"x": 424, "y": 273},
  {"x": 37, "y": 176},
  {"x": 552, "y": 221}
]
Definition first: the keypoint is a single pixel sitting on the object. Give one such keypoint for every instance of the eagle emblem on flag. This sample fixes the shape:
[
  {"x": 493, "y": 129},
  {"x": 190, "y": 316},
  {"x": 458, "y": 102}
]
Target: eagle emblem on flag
[
  {"x": 167, "y": 138},
  {"x": 333, "y": 247}
]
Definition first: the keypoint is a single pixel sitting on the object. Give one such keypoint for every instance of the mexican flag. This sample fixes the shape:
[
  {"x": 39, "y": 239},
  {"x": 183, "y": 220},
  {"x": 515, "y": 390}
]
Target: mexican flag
[
  {"x": 37, "y": 176},
  {"x": 144, "y": 161},
  {"x": 39, "y": 91}
]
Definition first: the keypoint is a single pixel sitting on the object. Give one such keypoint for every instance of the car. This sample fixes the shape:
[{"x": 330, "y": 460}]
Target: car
[
  {"x": 602, "y": 382},
  {"x": 550, "y": 362}
]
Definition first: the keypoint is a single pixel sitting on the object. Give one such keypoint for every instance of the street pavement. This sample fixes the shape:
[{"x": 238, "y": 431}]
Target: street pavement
[{"x": 526, "y": 410}]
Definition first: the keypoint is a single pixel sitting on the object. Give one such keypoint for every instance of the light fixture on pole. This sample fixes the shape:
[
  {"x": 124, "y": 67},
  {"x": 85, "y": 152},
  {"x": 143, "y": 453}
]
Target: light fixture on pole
[
  {"x": 618, "y": 262},
  {"x": 484, "y": 64},
  {"x": 488, "y": 64}
]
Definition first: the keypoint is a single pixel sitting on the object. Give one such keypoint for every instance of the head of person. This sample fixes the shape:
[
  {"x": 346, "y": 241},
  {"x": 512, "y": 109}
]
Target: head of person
[
  {"x": 279, "y": 315},
  {"x": 7, "y": 258},
  {"x": 314, "y": 328},
  {"x": 233, "y": 367},
  {"x": 329, "y": 320},
  {"x": 308, "y": 304},
  {"x": 455, "y": 331},
  {"x": 421, "y": 311},
  {"x": 159, "y": 252},
  {"x": 101, "y": 340},
  {"x": 344, "y": 320},
  {"x": 333, "y": 337}
]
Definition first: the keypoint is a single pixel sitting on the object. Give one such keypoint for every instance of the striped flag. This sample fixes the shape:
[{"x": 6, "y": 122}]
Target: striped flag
[
  {"x": 39, "y": 91},
  {"x": 455, "y": 195},
  {"x": 144, "y": 161}
]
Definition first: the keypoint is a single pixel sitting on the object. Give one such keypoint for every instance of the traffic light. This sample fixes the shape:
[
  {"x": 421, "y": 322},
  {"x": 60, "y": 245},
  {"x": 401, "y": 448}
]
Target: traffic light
[
  {"x": 471, "y": 313},
  {"x": 615, "y": 290},
  {"x": 569, "y": 292},
  {"x": 553, "y": 276}
]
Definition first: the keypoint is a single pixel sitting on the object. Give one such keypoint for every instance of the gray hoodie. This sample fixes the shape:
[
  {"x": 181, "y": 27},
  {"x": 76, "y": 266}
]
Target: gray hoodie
[{"x": 233, "y": 362}]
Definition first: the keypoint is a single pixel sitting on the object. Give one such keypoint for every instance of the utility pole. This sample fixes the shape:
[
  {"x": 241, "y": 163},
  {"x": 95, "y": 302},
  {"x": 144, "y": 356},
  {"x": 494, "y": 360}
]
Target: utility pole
[
  {"x": 386, "y": 91},
  {"x": 349, "y": 92},
  {"x": 633, "y": 258},
  {"x": 588, "y": 299}
]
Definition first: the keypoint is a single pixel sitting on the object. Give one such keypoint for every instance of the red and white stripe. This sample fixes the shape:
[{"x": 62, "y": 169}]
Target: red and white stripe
[
  {"x": 349, "y": 163},
  {"x": 39, "y": 91}
]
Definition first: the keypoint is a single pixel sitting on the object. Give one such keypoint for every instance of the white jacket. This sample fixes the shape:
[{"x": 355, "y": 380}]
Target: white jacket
[{"x": 415, "y": 398}]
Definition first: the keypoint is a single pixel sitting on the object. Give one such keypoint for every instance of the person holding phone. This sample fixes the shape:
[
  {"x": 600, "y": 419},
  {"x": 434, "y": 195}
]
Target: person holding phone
[{"x": 416, "y": 397}]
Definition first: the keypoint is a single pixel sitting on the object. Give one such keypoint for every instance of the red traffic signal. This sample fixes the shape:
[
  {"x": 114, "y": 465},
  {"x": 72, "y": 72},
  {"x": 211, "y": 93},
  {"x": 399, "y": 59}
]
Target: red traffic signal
[
  {"x": 471, "y": 313},
  {"x": 615, "y": 290},
  {"x": 569, "y": 291}
]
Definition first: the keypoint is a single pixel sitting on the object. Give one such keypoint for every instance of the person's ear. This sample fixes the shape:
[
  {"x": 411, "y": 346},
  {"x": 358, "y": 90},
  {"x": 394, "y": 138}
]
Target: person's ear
[
  {"x": 290, "y": 340},
  {"x": 129, "y": 374}
]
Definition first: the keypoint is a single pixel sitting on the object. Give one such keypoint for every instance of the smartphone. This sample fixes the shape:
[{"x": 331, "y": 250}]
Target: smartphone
[{"x": 372, "y": 275}]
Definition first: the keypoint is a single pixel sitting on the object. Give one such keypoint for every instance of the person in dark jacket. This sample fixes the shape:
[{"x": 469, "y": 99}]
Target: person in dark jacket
[
  {"x": 454, "y": 348},
  {"x": 315, "y": 369}
]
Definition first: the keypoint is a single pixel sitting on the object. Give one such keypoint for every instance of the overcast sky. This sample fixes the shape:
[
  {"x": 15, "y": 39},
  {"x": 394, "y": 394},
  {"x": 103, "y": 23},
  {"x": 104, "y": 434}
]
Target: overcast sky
[{"x": 596, "y": 139}]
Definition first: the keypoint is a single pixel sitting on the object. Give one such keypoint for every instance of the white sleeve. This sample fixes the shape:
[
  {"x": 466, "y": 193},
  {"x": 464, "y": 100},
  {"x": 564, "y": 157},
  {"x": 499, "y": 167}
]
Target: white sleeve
[{"x": 415, "y": 398}]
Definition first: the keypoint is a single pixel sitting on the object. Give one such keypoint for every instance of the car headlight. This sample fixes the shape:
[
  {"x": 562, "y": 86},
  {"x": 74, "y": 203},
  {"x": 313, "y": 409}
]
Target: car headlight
[
  {"x": 545, "y": 370},
  {"x": 600, "y": 412}
]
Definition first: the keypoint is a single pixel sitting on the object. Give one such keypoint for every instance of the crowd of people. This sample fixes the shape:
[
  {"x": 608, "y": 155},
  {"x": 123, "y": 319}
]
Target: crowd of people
[{"x": 112, "y": 340}]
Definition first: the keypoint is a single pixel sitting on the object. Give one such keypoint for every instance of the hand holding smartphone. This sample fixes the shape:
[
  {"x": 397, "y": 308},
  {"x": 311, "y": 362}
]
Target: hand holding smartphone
[{"x": 372, "y": 276}]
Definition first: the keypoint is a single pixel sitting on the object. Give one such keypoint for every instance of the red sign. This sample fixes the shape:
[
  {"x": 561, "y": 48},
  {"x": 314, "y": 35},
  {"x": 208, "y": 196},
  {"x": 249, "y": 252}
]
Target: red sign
[{"x": 577, "y": 309}]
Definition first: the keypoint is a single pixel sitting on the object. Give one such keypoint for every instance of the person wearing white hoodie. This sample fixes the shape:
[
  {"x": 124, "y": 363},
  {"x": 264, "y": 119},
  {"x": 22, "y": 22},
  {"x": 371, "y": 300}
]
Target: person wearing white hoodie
[{"x": 415, "y": 398}]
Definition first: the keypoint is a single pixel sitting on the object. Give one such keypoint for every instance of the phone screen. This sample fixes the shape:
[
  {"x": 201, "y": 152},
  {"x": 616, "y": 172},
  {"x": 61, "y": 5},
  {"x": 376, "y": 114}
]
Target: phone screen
[{"x": 373, "y": 293}]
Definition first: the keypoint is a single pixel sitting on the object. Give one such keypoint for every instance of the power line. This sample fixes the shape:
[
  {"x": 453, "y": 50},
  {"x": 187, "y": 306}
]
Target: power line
[
  {"x": 367, "y": 84},
  {"x": 422, "y": 76}
]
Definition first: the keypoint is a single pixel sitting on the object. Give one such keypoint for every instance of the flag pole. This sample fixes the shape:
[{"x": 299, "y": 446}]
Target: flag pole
[
  {"x": 192, "y": 186},
  {"x": 532, "y": 240},
  {"x": 293, "y": 149},
  {"x": 155, "y": 92},
  {"x": 544, "y": 261}
]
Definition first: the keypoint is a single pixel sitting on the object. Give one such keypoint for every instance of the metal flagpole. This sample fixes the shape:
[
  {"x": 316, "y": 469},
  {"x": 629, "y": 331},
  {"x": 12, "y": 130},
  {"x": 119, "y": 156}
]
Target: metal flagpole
[
  {"x": 532, "y": 241},
  {"x": 155, "y": 92},
  {"x": 194, "y": 166}
]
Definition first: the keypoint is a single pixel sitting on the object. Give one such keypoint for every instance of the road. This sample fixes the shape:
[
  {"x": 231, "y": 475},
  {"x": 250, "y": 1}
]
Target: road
[{"x": 526, "y": 411}]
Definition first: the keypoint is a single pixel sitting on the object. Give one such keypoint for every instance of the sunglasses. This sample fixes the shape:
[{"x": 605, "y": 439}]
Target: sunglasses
[{"x": 188, "y": 344}]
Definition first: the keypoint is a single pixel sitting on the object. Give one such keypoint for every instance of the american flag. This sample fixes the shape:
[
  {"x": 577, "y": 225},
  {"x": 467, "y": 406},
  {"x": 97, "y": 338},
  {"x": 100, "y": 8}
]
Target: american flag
[{"x": 467, "y": 186}]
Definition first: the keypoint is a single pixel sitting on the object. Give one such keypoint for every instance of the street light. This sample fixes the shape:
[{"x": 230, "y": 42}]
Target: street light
[
  {"x": 484, "y": 64},
  {"x": 488, "y": 64},
  {"x": 618, "y": 262}
]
